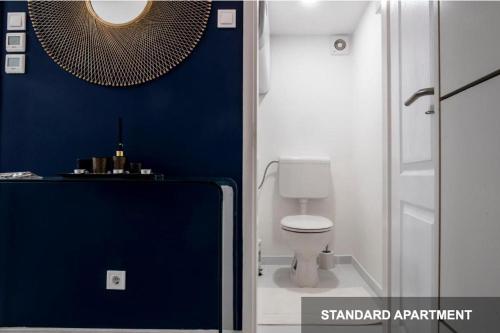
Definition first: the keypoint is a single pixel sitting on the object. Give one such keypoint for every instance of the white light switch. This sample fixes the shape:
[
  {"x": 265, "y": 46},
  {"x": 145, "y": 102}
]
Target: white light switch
[
  {"x": 115, "y": 280},
  {"x": 16, "y": 21},
  {"x": 226, "y": 18}
]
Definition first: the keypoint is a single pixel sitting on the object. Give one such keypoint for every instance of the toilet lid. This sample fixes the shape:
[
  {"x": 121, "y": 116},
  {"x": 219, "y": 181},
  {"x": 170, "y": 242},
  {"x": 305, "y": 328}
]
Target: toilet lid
[{"x": 306, "y": 223}]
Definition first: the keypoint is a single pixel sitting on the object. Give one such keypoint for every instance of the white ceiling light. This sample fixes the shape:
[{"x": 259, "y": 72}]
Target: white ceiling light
[
  {"x": 309, "y": 3},
  {"x": 322, "y": 18}
]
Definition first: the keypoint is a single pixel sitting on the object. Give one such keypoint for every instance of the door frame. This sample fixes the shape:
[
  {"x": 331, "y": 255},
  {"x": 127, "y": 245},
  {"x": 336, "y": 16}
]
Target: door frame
[
  {"x": 249, "y": 190},
  {"x": 250, "y": 104}
]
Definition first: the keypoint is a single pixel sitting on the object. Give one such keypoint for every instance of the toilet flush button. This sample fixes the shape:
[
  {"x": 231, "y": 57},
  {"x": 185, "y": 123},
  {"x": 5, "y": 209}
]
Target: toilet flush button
[{"x": 115, "y": 280}]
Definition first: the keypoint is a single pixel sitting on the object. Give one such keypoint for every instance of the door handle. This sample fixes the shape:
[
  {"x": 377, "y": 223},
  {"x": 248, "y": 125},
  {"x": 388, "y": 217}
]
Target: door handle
[{"x": 418, "y": 94}]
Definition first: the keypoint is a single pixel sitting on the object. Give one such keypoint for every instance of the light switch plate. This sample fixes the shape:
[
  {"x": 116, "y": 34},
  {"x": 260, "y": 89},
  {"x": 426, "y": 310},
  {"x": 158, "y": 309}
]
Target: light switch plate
[
  {"x": 226, "y": 18},
  {"x": 115, "y": 280},
  {"x": 15, "y": 42},
  {"x": 16, "y": 21},
  {"x": 14, "y": 63}
]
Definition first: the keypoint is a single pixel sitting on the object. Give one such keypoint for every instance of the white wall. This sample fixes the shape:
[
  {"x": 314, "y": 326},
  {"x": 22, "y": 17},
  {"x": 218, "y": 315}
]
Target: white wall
[
  {"x": 367, "y": 144},
  {"x": 324, "y": 105},
  {"x": 306, "y": 112}
]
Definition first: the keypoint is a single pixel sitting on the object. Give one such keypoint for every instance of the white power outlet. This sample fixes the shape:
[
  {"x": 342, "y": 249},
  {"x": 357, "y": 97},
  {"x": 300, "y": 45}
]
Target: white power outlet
[{"x": 115, "y": 280}]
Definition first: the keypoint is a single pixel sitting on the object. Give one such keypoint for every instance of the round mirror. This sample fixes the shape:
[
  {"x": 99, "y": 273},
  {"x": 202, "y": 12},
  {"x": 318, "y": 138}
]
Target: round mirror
[{"x": 118, "y": 12}]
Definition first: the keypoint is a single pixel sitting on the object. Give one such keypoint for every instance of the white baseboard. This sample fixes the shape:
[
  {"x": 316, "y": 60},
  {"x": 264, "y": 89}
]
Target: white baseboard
[
  {"x": 287, "y": 260},
  {"x": 93, "y": 330},
  {"x": 376, "y": 287},
  {"x": 280, "y": 260},
  {"x": 343, "y": 258},
  {"x": 340, "y": 259}
]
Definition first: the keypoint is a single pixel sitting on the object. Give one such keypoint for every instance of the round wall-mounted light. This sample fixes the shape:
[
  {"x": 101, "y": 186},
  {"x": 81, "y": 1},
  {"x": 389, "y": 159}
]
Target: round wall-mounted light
[{"x": 309, "y": 3}]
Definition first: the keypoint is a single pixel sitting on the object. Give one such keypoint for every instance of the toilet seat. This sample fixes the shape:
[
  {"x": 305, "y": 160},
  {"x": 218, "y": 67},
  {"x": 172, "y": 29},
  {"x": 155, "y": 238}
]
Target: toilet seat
[{"x": 306, "y": 224}]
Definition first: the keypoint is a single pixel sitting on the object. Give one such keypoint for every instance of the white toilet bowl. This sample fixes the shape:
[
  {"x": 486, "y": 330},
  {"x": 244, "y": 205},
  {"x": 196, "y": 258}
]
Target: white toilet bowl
[{"x": 307, "y": 236}]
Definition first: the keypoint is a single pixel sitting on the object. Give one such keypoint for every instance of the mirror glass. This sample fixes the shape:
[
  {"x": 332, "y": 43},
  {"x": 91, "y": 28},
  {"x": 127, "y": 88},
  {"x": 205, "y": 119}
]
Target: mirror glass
[{"x": 118, "y": 12}]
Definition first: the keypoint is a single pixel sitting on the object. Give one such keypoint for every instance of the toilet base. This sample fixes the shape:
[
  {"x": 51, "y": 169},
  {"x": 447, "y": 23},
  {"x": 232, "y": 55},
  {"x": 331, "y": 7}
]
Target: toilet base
[
  {"x": 304, "y": 271},
  {"x": 306, "y": 247}
]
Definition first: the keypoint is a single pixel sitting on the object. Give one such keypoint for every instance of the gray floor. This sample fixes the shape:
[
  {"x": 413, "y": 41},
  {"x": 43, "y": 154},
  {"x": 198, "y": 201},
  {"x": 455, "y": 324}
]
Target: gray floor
[{"x": 342, "y": 276}]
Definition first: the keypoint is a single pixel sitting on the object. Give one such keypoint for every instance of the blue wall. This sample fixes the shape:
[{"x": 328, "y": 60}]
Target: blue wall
[
  {"x": 54, "y": 255},
  {"x": 186, "y": 123}
]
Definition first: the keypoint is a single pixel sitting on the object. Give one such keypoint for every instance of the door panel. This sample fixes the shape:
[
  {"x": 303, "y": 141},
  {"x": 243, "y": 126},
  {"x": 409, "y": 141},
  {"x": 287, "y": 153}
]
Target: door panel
[
  {"x": 476, "y": 23},
  {"x": 470, "y": 265},
  {"x": 416, "y": 71},
  {"x": 417, "y": 251}
]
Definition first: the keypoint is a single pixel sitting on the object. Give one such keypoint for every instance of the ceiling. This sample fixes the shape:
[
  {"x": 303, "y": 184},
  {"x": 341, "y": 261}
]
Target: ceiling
[{"x": 314, "y": 17}]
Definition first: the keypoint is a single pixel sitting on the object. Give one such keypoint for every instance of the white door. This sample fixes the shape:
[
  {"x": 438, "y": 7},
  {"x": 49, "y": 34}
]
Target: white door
[{"x": 414, "y": 154}]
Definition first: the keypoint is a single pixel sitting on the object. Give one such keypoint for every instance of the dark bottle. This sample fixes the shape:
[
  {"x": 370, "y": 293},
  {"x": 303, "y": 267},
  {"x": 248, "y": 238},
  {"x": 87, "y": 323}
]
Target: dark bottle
[
  {"x": 119, "y": 150},
  {"x": 119, "y": 158}
]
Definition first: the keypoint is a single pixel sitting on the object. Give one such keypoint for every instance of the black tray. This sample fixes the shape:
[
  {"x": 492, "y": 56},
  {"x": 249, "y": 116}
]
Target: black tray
[{"x": 153, "y": 176}]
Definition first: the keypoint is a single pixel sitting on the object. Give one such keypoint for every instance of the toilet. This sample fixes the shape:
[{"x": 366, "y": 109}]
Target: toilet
[{"x": 306, "y": 234}]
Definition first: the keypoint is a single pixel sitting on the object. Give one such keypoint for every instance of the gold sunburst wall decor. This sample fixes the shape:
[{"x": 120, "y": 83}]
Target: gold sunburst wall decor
[{"x": 149, "y": 46}]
